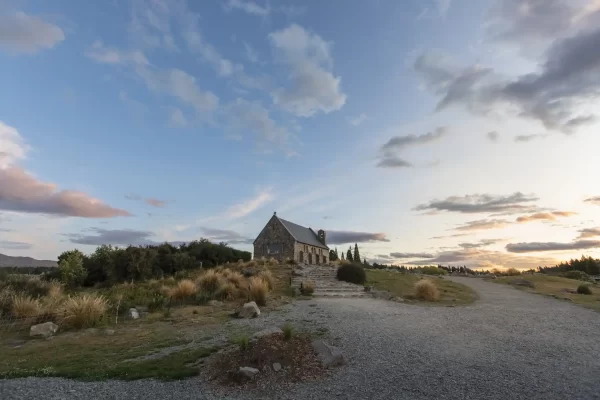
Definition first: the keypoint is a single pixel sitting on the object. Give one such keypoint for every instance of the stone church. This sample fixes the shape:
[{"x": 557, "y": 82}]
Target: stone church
[{"x": 283, "y": 239}]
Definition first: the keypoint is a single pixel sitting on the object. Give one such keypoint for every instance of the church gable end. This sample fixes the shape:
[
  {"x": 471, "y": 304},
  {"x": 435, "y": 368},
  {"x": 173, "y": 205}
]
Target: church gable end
[{"x": 274, "y": 241}]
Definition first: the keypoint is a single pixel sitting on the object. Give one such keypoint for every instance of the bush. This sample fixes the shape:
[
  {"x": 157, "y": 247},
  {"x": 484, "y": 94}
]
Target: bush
[
  {"x": 185, "y": 289},
  {"x": 84, "y": 311},
  {"x": 584, "y": 289},
  {"x": 307, "y": 288},
  {"x": 25, "y": 307},
  {"x": 210, "y": 281},
  {"x": 426, "y": 290},
  {"x": 235, "y": 278},
  {"x": 31, "y": 285},
  {"x": 267, "y": 276},
  {"x": 433, "y": 271},
  {"x": 227, "y": 291},
  {"x": 290, "y": 261},
  {"x": 158, "y": 302},
  {"x": 72, "y": 272},
  {"x": 577, "y": 275},
  {"x": 257, "y": 290},
  {"x": 353, "y": 273},
  {"x": 287, "y": 331},
  {"x": 512, "y": 272},
  {"x": 243, "y": 341}
]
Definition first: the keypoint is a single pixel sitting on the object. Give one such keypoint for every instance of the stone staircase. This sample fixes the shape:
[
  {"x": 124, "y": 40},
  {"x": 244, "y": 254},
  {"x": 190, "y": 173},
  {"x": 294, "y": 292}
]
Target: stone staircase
[{"x": 326, "y": 283}]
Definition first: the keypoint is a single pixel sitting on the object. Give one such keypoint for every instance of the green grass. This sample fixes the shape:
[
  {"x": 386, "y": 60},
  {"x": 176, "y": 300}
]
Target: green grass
[
  {"x": 401, "y": 285},
  {"x": 555, "y": 286}
]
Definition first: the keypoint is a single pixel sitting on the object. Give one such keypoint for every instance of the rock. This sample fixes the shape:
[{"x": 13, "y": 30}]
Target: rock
[
  {"x": 522, "y": 282},
  {"x": 267, "y": 332},
  {"x": 380, "y": 294},
  {"x": 276, "y": 367},
  {"x": 142, "y": 310},
  {"x": 248, "y": 372},
  {"x": 330, "y": 356},
  {"x": 47, "y": 329},
  {"x": 133, "y": 313},
  {"x": 572, "y": 291},
  {"x": 249, "y": 310},
  {"x": 109, "y": 332},
  {"x": 215, "y": 303}
]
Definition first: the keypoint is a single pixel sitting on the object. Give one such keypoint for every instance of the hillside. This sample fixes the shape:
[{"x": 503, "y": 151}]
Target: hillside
[{"x": 8, "y": 261}]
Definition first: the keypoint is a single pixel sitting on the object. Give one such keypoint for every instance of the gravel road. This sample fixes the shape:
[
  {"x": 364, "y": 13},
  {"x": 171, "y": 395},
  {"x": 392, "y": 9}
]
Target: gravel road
[{"x": 509, "y": 345}]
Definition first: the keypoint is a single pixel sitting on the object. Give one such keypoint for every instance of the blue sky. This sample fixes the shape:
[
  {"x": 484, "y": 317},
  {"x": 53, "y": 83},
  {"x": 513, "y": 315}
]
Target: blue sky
[{"x": 388, "y": 123}]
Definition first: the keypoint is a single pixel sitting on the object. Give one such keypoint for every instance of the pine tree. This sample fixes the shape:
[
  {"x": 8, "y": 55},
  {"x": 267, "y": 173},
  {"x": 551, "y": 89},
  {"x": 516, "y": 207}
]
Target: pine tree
[
  {"x": 342, "y": 255},
  {"x": 349, "y": 254},
  {"x": 337, "y": 256},
  {"x": 356, "y": 253},
  {"x": 365, "y": 261}
]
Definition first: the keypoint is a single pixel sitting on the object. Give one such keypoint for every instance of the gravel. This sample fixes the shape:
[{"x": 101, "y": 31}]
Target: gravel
[{"x": 509, "y": 345}]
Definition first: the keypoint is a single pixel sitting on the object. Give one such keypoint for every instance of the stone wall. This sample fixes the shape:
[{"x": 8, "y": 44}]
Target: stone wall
[
  {"x": 302, "y": 254},
  {"x": 274, "y": 233}
]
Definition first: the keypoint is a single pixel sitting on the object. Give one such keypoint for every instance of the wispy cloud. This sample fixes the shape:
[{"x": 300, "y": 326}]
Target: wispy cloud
[
  {"x": 533, "y": 247},
  {"x": 482, "y": 203},
  {"x": 22, "y": 33},
  {"x": 593, "y": 200},
  {"x": 390, "y": 151},
  {"x": 154, "y": 202},
  {"x": 225, "y": 235},
  {"x": 479, "y": 244},
  {"x": 342, "y": 237},
  {"x": 589, "y": 232},
  {"x": 247, "y": 207},
  {"x": 10, "y": 245},
  {"x": 483, "y": 224},
  {"x": 357, "y": 120},
  {"x": 493, "y": 136},
  {"x": 399, "y": 255},
  {"x": 529, "y": 138},
  {"x": 545, "y": 216},
  {"x": 248, "y": 7}
]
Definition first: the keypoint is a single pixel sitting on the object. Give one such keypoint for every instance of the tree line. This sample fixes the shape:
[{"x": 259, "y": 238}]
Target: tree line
[
  {"x": 585, "y": 264},
  {"x": 352, "y": 256},
  {"x": 108, "y": 264}
]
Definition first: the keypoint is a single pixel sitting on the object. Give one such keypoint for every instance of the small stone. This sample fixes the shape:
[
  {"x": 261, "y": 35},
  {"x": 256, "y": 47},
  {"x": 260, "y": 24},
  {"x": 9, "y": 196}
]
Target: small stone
[
  {"x": 276, "y": 367},
  {"x": 109, "y": 332},
  {"x": 330, "y": 356},
  {"x": 47, "y": 329},
  {"x": 249, "y": 310},
  {"x": 248, "y": 372},
  {"x": 133, "y": 313},
  {"x": 215, "y": 303}
]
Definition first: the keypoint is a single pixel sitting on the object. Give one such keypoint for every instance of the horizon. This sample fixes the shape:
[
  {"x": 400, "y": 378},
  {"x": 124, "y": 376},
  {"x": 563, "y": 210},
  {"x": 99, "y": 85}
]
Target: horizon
[{"x": 432, "y": 132}]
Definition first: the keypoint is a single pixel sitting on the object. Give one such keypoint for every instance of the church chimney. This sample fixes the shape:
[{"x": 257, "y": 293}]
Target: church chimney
[{"x": 322, "y": 236}]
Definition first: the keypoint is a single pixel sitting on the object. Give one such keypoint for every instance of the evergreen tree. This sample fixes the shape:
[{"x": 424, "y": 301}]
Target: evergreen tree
[
  {"x": 337, "y": 256},
  {"x": 365, "y": 261},
  {"x": 343, "y": 256},
  {"x": 332, "y": 255},
  {"x": 349, "y": 254},
  {"x": 356, "y": 253}
]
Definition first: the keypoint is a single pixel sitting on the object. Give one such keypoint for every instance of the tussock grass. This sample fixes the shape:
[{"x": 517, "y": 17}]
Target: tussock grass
[
  {"x": 584, "y": 289},
  {"x": 210, "y": 281},
  {"x": 227, "y": 291},
  {"x": 426, "y": 290},
  {"x": 308, "y": 288},
  {"x": 268, "y": 277},
  {"x": 235, "y": 278},
  {"x": 512, "y": 272},
  {"x": 84, "y": 311},
  {"x": 24, "y": 306},
  {"x": 257, "y": 290},
  {"x": 184, "y": 289},
  {"x": 287, "y": 331}
]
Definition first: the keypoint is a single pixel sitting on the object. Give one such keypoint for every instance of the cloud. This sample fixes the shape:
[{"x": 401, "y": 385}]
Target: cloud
[
  {"x": 390, "y": 158},
  {"x": 243, "y": 116},
  {"x": 122, "y": 237},
  {"x": 437, "y": 9},
  {"x": 546, "y": 216},
  {"x": 150, "y": 201},
  {"x": 197, "y": 44},
  {"x": 292, "y": 11},
  {"x": 110, "y": 55},
  {"x": 593, "y": 200},
  {"x": 481, "y": 243},
  {"x": 483, "y": 224},
  {"x": 569, "y": 77},
  {"x": 341, "y": 237},
  {"x": 225, "y": 235},
  {"x": 150, "y": 25},
  {"x": 528, "y": 138},
  {"x": 248, "y": 7},
  {"x": 177, "y": 118},
  {"x": 22, "y": 192},
  {"x": 589, "y": 232},
  {"x": 7, "y": 244},
  {"x": 134, "y": 105},
  {"x": 313, "y": 88},
  {"x": 245, "y": 208},
  {"x": 410, "y": 255},
  {"x": 487, "y": 259},
  {"x": 12, "y": 146},
  {"x": 251, "y": 53},
  {"x": 24, "y": 33},
  {"x": 551, "y": 246},
  {"x": 358, "y": 119},
  {"x": 450, "y": 236},
  {"x": 493, "y": 136},
  {"x": 481, "y": 203}
]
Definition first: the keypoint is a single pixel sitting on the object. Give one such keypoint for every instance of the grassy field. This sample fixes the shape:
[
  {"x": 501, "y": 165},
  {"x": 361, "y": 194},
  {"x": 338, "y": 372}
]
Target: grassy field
[
  {"x": 556, "y": 287},
  {"x": 181, "y": 336},
  {"x": 401, "y": 285}
]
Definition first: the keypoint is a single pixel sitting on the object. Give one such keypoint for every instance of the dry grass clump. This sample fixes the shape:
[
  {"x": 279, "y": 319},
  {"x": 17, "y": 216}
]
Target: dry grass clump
[
  {"x": 257, "y": 290},
  {"x": 512, "y": 272},
  {"x": 210, "y": 281},
  {"x": 84, "y": 311},
  {"x": 307, "y": 288},
  {"x": 426, "y": 290},
  {"x": 183, "y": 290},
  {"x": 235, "y": 278},
  {"x": 227, "y": 291},
  {"x": 25, "y": 306},
  {"x": 272, "y": 261},
  {"x": 268, "y": 277}
]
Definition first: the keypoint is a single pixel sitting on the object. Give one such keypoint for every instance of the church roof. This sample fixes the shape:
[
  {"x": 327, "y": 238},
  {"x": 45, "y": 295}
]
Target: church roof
[{"x": 302, "y": 234}]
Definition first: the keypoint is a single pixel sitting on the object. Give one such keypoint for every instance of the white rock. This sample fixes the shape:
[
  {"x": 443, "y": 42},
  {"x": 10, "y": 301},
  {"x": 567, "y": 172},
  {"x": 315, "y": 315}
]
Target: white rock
[
  {"x": 276, "y": 367},
  {"x": 248, "y": 372},
  {"x": 267, "y": 332},
  {"x": 46, "y": 329},
  {"x": 133, "y": 313},
  {"x": 249, "y": 310},
  {"x": 330, "y": 356},
  {"x": 215, "y": 303}
]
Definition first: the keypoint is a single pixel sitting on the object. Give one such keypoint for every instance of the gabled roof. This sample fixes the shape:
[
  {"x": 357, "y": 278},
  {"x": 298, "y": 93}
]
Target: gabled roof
[{"x": 302, "y": 234}]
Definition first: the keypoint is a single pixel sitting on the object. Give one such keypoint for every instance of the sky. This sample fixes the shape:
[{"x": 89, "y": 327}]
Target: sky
[{"x": 458, "y": 132}]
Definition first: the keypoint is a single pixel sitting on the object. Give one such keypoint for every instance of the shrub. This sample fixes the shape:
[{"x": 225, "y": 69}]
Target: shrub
[
  {"x": 287, "y": 331},
  {"x": 158, "y": 302},
  {"x": 290, "y": 261},
  {"x": 243, "y": 341},
  {"x": 31, "y": 285},
  {"x": 227, "y": 291},
  {"x": 433, "y": 271},
  {"x": 426, "y": 290},
  {"x": 210, "y": 281},
  {"x": 235, "y": 278},
  {"x": 72, "y": 272},
  {"x": 584, "y": 289},
  {"x": 577, "y": 275},
  {"x": 6, "y": 300},
  {"x": 272, "y": 261},
  {"x": 84, "y": 311},
  {"x": 267, "y": 276},
  {"x": 25, "y": 307},
  {"x": 307, "y": 288},
  {"x": 257, "y": 290},
  {"x": 185, "y": 289},
  {"x": 512, "y": 272},
  {"x": 352, "y": 273}
]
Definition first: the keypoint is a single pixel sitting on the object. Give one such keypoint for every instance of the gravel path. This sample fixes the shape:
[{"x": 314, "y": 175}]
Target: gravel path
[{"x": 509, "y": 345}]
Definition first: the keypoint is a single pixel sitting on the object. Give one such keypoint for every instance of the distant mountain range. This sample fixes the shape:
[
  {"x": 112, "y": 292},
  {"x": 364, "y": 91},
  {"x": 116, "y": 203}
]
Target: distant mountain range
[{"x": 8, "y": 261}]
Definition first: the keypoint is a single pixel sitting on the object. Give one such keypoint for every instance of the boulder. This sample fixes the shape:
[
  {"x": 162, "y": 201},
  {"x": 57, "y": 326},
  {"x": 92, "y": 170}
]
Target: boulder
[
  {"x": 133, "y": 313},
  {"x": 276, "y": 367},
  {"x": 215, "y": 303},
  {"x": 248, "y": 372},
  {"x": 46, "y": 329},
  {"x": 249, "y": 310},
  {"x": 330, "y": 356},
  {"x": 267, "y": 332}
]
